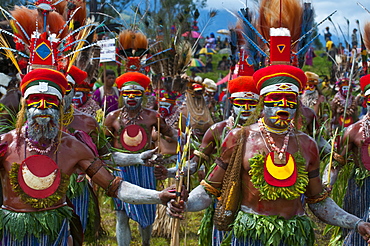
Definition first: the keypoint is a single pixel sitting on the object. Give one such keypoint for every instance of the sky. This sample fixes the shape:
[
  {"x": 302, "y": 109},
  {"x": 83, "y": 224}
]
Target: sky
[{"x": 346, "y": 9}]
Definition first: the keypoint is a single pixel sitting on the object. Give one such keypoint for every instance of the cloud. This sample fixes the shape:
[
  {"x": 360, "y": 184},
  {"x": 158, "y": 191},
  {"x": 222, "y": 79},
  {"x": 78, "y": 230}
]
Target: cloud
[{"x": 345, "y": 10}]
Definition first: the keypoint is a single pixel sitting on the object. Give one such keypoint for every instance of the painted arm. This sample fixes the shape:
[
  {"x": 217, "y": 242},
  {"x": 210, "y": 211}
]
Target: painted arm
[
  {"x": 329, "y": 212},
  {"x": 126, "y": 159},
  {"x": 134, "y": 194}
]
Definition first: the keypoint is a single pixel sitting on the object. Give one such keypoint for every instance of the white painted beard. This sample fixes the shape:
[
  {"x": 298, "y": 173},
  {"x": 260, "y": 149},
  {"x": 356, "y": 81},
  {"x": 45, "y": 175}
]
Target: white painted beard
[{"x": 42, "y": 123}]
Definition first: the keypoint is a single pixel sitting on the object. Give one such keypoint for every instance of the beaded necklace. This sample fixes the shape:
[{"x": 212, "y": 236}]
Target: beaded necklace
[
  {"x": 31, "y": 145},
  {"x": 125, "y": 119},
  {"x": 271, "y": 141},
  {"x": 365, "y": 127}
]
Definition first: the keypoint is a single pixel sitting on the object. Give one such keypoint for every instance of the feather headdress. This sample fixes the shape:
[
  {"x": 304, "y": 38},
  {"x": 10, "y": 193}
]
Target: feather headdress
[
  {"x": 133, "y": 45},
  {"x": 171, "y": 64}
]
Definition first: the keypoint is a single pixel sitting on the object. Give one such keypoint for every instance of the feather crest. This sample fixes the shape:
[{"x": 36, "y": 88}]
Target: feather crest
[{"x": 291, "y": 17}]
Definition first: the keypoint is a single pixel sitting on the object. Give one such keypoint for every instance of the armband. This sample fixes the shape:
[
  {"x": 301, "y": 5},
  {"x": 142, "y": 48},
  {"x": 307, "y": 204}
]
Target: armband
[
  {"x": 93, "y": 168},
  {"x": 356, "y": 224},
  {"x": 314, "y": 173},
  {"x": 221, "y": 164},
  {"x": 112, "y": 189},
  {"x": 210, "y": 189},
  {"x": 322, "y": 196},
  {"x": 201, "y": 155}
]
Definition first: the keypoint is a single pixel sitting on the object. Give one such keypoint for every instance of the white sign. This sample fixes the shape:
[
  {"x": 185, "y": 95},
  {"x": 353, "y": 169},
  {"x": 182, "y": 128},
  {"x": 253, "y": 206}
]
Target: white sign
[{"x": 108, "y": 50}]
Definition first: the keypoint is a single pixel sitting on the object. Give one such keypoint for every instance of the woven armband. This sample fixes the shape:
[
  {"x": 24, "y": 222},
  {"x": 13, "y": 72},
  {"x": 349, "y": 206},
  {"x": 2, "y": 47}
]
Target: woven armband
[
  {"x": 201, "y": 155},
  {"x": 210, "y": 189},
  {"x": 93, "y": 168},
  {"x": 322, "y": 196},
  {"x": 112, "y": 189},
  {"x": 313, "y": 174},
  {"x": 221, "y": 164}
]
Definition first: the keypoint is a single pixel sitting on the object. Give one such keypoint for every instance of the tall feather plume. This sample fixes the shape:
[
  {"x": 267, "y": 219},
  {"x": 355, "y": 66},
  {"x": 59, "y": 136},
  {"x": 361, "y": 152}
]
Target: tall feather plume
[
  {"x": 60, "y": 7},
  {"x": 248, "y": 31},
  {"x": 307, "y": 24},
  {"x": 366, "y": 35},
  {"x": 126, "y": 40},
  {"x": 29, "y": 18},
  {"x": 290, "y": 17},
  {"x": 65, "y": 8},
  {"x": 80, "y": 16},
  {"x": 140, "y": 44}
]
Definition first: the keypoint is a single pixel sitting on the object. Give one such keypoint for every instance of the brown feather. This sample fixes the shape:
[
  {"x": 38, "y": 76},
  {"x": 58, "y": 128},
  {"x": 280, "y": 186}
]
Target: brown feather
[
  {"x": 140, "y": 41},
  {"x": 367, "y": 35},
  {"x": 60, "y": 7},
  {"x": 27, "y": 19},
  {"x": 238, "y": 29},
  {"x": 126, "y": 39},
  {"x": 80, "y": 15},
  {"x": 291, "y": 17}
]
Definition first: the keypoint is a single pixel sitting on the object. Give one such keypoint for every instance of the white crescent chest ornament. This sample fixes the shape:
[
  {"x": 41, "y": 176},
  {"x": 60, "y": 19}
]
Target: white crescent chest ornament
[
  {"x": 36, "y": 182},
  {"x": 133, "y": 141}
]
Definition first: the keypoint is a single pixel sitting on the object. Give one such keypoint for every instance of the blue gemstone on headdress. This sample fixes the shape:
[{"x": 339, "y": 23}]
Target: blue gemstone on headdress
[{"x": 43, "y": 51}]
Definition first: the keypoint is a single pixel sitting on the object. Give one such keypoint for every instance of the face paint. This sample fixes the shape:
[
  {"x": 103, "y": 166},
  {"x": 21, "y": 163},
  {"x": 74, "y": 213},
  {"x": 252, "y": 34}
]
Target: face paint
[
  {"x": 344, "y": 90},
  {"x": 165, "y": 109},
  {"x": 310, "y": 88},
  {"x": 280, "y": 107},
  {"x": 69, "y": 88},
  {"x": 42, "y": 123},
  {"x": 368, "y": 103},
  {"x": 68, "y": 99},
  {"x": 79, "y": 99},
  {"x": 42, "y": 101},
  {"x": 132, "y": 99},
  {"x": 244, "y": 107}
]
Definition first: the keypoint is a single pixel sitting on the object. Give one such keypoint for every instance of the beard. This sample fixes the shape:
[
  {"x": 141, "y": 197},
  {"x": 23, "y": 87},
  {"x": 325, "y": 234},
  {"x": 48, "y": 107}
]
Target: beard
[{"x": 42, "y": 123}]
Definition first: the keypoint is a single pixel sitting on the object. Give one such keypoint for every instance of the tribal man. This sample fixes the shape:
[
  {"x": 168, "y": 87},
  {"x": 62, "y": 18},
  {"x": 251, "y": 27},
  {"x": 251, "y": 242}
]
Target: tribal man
[
  {"x": 244, "y": 99},
  {"x": 131, "y": 128},
  {"x": 343, "y": 102},
  {"x": 266, "y": 168},
  {"x": 37, "y": 160},
  {"x": 356, "y": 141}
]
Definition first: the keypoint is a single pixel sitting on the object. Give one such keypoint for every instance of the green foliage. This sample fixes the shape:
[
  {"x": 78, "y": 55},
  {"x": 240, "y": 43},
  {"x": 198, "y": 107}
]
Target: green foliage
[
  {"x": 321, "y": 65},
  {"x": 8, "y": 119}
]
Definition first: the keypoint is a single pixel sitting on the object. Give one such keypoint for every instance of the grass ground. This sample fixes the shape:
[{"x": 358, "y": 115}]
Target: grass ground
[{"x": 188, "y": 233}]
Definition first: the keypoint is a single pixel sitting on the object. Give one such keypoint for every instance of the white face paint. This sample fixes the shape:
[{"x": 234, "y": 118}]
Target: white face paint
[
  {"x": 42, "y": 123},
  {"x": 132, "y": 99},
  {"x": 280, "y": 108},
  {"x": 344, "y": 90}
]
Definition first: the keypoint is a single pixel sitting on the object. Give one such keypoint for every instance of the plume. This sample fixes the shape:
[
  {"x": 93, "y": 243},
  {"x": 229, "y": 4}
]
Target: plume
[
  {"x": 65, "y": 8},
  {"x": 290, "y": 17},
  {"x": 30, "y": 19},
  {"x": 307, "y": 24},
  {"x": 250, "y": 45},
  {"x": 171, "y": 63},
  {"x": 133, "y": 43}
]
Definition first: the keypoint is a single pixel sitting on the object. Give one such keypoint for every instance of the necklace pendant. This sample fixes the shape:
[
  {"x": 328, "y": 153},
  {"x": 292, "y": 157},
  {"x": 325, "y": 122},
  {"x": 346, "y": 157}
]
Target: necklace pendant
[{"x": 279, "y": 158}]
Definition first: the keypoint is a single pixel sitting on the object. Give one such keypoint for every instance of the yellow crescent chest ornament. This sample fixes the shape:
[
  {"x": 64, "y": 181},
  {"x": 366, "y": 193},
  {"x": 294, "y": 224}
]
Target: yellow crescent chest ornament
[
  {"x": 280, "y": 175},
  {"x": 267, "y": 182},
  {"x": 280, "y": 172}
]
